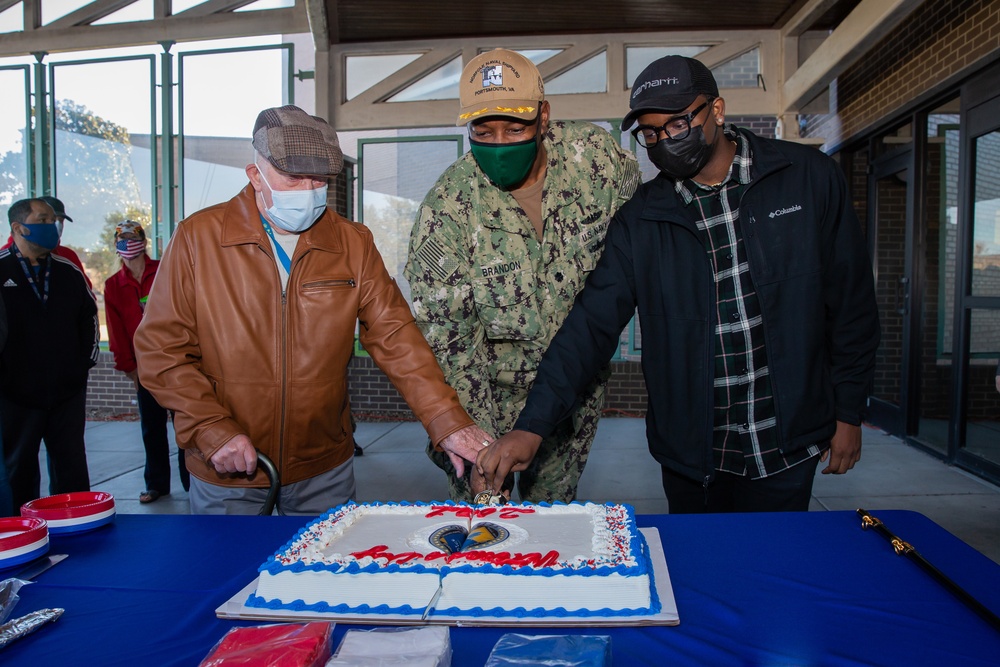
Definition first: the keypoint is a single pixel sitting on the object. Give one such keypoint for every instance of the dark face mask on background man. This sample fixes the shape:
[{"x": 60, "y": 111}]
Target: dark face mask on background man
[{"x": 683, "y": 158}]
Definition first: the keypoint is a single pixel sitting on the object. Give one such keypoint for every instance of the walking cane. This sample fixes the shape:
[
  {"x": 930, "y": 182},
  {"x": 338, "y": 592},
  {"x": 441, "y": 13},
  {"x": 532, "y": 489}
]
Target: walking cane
[{"x": 265, "y": 463}]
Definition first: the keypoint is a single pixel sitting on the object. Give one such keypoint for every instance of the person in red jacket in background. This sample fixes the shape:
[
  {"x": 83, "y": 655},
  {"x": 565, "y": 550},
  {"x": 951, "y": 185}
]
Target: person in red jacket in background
[
  {"x": 60, "y": 249},
  {"x": 125, "y": 294}
]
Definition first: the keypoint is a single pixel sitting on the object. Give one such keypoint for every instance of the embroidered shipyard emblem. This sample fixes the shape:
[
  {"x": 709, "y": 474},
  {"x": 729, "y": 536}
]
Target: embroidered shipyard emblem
[{"x": 493, "y": 76}]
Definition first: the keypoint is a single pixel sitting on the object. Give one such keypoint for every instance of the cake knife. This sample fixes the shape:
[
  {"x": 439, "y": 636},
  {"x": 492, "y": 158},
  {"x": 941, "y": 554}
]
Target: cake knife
[
  {"x": 434, "y": 599},
  {"x": 32, "y": 570}
]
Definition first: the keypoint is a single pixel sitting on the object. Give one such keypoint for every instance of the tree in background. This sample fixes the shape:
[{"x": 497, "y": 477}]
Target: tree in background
[{"x": 94, "y": 176}]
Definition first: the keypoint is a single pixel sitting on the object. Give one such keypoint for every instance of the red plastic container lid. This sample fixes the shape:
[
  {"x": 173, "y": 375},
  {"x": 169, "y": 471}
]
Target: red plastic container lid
[
  {"x": 69, "y": 505},
  {"x": 17, "y": 532}
]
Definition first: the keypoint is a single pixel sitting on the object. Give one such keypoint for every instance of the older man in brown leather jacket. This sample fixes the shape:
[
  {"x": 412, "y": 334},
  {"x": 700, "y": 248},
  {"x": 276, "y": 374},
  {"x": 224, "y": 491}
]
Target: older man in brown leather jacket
[{"x": 250, "y": 326}]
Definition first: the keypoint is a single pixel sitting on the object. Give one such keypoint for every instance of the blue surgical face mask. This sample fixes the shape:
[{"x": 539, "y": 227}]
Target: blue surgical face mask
[
  {"x": 43, "y": 235},
  {"x": 295, "y": 210}
]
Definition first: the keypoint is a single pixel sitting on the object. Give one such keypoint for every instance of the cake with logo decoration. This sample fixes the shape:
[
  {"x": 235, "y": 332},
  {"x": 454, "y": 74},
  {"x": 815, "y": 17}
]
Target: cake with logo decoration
[{"x": 516, "y": 560}]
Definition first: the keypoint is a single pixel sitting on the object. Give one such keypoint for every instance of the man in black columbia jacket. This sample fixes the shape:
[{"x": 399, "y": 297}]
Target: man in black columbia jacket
[{"x": 756, "y": 301}]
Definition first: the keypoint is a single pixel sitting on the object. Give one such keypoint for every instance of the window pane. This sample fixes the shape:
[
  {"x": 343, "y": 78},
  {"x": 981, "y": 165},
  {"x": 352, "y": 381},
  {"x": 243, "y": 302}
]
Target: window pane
[
  {"x": 442, "y": 83},
  {"x": 223, "y": 92},
  {"x": 56, "y": 9},
  {"x": 102, "y": 154},
  {"x": 986, "y": 217},
  {"x": 363, "y": 72},
  {"x": 590, "y": 76},
  {"x": 637, "y": 57},
  {"x": 142, "y": 10},
  {"x": 13, "y": 142},
  {"x": 397, "y": 176},
  {"x": 12, "y": 19}
]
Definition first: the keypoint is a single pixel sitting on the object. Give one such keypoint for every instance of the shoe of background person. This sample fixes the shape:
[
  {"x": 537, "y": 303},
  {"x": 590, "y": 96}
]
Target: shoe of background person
[
  {"x": 358, "y": 451},
  {"x": 149, "y": 496}
]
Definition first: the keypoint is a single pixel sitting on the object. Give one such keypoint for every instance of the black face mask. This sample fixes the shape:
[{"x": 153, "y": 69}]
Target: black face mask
[{"x": 684, "y": 158}]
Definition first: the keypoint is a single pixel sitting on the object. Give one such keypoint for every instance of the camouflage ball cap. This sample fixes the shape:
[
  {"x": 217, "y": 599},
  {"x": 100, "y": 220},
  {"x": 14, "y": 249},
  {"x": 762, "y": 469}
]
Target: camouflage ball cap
[
  {"x": 500, "y": 83},
  {"x": 297, "y": 143}
]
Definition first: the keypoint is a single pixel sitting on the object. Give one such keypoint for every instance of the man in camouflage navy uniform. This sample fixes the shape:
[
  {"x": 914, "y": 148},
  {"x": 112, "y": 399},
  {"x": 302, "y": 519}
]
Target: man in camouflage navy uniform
[{"x": 502, "y": 245}]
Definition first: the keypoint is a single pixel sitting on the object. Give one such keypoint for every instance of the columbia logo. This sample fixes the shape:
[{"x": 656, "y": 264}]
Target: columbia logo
[
  {"x": 783, "y": 211},
  {"x": 10, "y": 283}
]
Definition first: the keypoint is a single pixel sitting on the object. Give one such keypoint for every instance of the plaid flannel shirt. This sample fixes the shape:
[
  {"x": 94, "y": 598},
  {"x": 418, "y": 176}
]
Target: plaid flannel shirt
[{"x": 744, "y": 435}]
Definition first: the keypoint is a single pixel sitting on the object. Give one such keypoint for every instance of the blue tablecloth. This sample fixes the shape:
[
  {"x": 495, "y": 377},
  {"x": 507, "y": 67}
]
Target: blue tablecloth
[{"x": 751, "y": 589}]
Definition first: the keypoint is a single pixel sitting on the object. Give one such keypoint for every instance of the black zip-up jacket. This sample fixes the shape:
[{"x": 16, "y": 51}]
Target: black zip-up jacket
[
  {"x": 50, "y": 348},
  {"x": 813, "y": 277}
]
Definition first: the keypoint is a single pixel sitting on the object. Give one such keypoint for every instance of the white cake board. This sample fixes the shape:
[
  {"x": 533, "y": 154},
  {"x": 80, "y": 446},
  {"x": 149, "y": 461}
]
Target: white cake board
[{"x": 234, "y": 608}]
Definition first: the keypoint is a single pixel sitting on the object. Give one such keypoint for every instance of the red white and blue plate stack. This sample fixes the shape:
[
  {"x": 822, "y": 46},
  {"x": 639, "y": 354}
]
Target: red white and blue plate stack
[
  {"x": 77, "y": 512},
  {"x": 22, "y": 539}
]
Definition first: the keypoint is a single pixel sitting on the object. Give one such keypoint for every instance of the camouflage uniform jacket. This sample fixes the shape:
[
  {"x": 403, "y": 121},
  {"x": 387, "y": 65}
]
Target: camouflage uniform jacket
[{"x": 487, "y": 294}]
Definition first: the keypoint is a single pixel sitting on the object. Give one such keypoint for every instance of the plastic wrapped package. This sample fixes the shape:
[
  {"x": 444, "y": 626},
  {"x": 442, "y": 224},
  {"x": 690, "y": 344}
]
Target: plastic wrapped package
[
  {"x": 514, "y": 650},
  {"x": 9, "y": 596},
  {"x": 280, "y": 645},
  {"x": 428, "y": 646}
]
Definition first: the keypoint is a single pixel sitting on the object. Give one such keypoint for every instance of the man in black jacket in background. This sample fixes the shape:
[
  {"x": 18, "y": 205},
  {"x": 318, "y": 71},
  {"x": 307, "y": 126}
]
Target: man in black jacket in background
[
  {"x": 756, "y": 300},
  {"x": 51, "y": 345}
]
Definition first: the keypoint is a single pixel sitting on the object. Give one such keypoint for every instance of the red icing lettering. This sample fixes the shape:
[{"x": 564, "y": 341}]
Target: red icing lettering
[
  {"x": 441, "y": 510},
  {"x": 405, "y": 557},
  {"x": 502, "y": 558}
]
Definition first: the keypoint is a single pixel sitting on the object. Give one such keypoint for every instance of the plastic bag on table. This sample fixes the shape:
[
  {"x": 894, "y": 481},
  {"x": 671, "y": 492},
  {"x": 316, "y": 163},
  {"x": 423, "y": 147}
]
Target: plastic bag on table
[
  {"x": 514, "y": 650},
  {"x": 9, "y": 596},
  {"x": 279, "y": 645},
  {"x": 428, "y": 646}
]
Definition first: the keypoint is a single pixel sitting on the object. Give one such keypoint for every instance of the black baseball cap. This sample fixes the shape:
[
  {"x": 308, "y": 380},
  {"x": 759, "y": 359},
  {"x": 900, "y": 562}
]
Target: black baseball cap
[
  {"x": 669, "y": 84},
  {"x": 57, "y": 206}
]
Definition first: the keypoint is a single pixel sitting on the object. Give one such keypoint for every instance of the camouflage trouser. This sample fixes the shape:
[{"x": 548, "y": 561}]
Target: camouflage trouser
[{"x": 555, "y": 471}]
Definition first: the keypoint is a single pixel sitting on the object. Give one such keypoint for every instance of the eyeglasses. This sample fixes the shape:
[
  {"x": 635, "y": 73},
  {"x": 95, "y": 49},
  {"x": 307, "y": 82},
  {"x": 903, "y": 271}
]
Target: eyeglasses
[{"x": 676, "y": 129}]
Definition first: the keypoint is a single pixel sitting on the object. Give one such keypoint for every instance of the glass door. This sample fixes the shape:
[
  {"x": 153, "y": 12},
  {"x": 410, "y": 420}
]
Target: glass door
[
  {"x": 888, "y": 216},
  {"x": 979, "y": 323}
]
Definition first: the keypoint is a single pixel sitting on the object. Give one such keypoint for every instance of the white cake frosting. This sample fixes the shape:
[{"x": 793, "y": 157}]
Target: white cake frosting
[{"x": 552, "y": 560}]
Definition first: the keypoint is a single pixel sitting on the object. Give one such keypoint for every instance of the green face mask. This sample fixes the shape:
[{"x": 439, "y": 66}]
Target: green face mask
[{"x": 505, "y": 164}]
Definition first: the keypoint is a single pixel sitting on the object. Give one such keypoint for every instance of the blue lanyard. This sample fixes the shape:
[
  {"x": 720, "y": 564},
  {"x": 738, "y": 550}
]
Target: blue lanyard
[
  {"x": 282, "y": 255},
  {"x": 29, "y": 273}
]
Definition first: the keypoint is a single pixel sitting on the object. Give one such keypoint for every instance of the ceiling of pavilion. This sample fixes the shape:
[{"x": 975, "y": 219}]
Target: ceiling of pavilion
[{"x": 391, "y": 20}]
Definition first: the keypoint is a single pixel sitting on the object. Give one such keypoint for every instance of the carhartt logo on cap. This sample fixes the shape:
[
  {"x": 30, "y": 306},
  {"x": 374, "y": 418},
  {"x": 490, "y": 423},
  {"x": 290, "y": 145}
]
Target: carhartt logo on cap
[{"x": 668, "y": 85}]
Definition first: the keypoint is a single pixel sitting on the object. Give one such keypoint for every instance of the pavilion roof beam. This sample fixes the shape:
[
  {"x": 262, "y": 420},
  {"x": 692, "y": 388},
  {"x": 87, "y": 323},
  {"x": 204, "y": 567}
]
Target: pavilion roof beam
[
  {"x": 857, "y": 33},
  {"x": 288, "y": 20},
  {"x": 7, "y": 4},
  {"x": 806, "y": 16}
]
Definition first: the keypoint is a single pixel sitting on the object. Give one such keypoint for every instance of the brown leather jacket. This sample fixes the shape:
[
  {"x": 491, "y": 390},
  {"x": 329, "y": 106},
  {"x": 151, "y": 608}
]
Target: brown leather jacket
[{"x": 223, "y": 347}]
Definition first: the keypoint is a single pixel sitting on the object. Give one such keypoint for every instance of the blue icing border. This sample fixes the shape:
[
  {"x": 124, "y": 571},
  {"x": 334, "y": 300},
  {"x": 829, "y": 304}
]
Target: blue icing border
[
  {"x": 518, "y": 612},
  {"x": 637, "y": 545}
]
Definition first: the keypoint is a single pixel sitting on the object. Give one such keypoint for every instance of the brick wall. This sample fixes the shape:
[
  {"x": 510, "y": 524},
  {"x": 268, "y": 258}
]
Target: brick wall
[
  {"x": 937, "y": 42},
  {"x": 373, "y": 394},
  {"x": 108, "y": 391}
]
